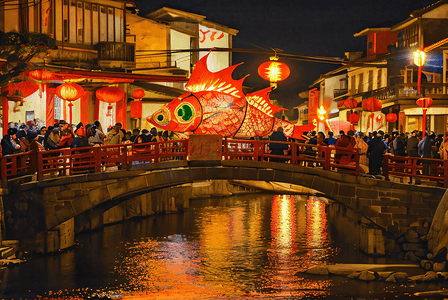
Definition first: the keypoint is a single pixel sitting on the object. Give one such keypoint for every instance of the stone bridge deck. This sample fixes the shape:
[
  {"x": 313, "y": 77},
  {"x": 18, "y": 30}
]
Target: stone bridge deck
[{"x": 392, "y": 206}]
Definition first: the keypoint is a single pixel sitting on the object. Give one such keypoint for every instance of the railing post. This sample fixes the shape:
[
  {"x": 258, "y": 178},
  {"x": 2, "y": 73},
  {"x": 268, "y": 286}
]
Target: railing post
[
  {"x": 293, "y": 153},
  {"x": 124, "y": 157},
  {"x": 157, "y": 149},
  {"x": 386, "y": 167},
  {"x": 226, "y": 148},
  {"x": 327, "y": 158},
  {"x": 40, "y": 166},
  {"x": 256, "y": 147},
  {"x": 97, "y": 158}
]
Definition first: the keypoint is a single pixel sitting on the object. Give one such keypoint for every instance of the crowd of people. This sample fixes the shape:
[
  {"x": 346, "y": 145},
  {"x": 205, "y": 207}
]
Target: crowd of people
[
  {"x": 372, "y": 146},
  {"x": 27, "y": 137}
]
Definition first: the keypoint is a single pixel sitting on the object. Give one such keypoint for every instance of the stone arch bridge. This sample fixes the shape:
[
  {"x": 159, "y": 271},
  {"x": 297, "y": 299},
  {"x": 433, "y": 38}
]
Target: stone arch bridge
[{"x": 34, "y": 209}]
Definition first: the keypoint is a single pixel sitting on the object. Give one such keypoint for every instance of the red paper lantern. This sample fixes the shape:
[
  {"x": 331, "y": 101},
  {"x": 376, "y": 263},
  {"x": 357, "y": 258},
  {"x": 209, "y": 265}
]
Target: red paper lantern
[
  {"x": 371, "y": 104},
  {"x": 41, "y": 75},
  {"x": 110, "y": 94},
  {"x": 379, "y": 118},
  {"x": 69, "y": 91},
  {"x": 424, "y": 102},
  {"x": 138, "y": 94},
  {"x": 273, "y": 71},
  {"x": 353, "y": 118},
  {"x": 351, "y": 103},
  {"x": 391, "y": 118}
]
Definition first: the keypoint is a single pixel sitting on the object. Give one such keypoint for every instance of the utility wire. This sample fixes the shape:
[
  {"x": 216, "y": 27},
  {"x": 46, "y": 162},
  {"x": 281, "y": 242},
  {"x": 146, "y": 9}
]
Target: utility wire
[{"x": 321, "y": 59}]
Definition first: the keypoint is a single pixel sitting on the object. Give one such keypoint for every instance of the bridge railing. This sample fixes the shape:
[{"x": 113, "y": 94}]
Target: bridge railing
[
  {"x": 65, "y": 162},
  {"x": 415, "y": 167},
  {"x": 329, "y": 158}
]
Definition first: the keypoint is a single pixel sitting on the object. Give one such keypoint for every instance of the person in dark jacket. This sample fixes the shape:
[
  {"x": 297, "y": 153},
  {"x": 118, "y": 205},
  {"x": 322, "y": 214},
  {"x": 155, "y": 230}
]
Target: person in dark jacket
[
  {"x": 8, "y": 143},
  {"x": 412, "y": 145},
  {"x": 52, "y": 140},
  {"x": 398, "y": 145},
  {"x": 375, "y": 154},
  {"x": 276, "y": 148},
  {"x": 81, "y": 139},
  {"x": 425, "y": 151}
]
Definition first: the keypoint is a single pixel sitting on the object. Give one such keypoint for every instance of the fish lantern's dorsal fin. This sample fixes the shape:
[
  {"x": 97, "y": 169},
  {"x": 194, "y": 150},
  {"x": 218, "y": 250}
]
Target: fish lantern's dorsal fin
[
  {"x": 202, "y": 79},
  {"x": 260, "y": 100}
]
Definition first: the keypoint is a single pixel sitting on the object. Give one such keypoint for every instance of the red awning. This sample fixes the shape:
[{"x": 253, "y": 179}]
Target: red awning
[{"x": 117, "y": 76}]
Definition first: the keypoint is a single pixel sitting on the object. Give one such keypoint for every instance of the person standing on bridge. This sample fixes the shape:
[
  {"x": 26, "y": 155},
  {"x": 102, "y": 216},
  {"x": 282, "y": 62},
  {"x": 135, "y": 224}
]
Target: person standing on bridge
[
  {"x": 412, "y": 145},
  {"x": 375, "y": 154},
  {"x": 344, "y": 141},
  {"x": 115, "y": 135},
  {"x": 276, "y": 148}
]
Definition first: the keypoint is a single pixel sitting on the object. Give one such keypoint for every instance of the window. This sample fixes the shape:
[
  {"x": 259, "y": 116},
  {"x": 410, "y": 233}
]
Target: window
[
  {"x": 80, "y": 23},
  {"x": 379, "y": 78},
  {"x": 103, "y": 24},
  {"x": 110, "y": 24},
  {"x": 370, "y": 45},
  {"x": 408, "y": 37},
  {"x": 360, "y": 83},
  {"x": 370, "y": 86}
]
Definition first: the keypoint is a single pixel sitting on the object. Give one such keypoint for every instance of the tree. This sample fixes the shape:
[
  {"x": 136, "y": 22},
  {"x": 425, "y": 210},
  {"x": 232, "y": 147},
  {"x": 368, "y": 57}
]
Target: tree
[{"x": 16, "y": 51}]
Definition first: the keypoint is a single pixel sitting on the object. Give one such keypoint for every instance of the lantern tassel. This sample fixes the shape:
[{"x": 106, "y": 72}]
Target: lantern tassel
[{"x": 70, "y": 105}]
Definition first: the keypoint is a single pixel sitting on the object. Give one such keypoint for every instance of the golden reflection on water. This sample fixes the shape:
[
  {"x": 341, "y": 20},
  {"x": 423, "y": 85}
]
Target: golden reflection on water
[{"x": 232, "y": 254}]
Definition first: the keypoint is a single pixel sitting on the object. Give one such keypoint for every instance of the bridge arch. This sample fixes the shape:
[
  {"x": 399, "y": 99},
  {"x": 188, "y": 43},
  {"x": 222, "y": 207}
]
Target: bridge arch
[
  {"x": 385, "y": 203},
  {"x": 391, "y": 206}
]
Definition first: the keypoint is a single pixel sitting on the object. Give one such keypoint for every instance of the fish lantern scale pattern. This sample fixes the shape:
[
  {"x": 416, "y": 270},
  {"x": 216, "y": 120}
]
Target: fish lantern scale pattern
[{"x": 215, "y": 104}]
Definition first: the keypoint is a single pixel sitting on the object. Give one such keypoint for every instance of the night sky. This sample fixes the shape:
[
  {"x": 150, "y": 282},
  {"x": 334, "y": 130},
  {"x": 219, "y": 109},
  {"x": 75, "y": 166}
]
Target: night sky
[{"x": 302, "y": 27}]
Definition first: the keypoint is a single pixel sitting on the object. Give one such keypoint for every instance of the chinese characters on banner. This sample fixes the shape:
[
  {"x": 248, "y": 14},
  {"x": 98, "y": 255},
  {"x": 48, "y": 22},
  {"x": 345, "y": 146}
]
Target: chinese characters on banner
[{"x": 313, "y": 105}]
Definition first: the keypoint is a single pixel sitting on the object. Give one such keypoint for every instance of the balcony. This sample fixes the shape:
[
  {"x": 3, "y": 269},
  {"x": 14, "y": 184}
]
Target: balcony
[
  {"x": 116, "y": 55},
  {"x": 339, "y": 92}
]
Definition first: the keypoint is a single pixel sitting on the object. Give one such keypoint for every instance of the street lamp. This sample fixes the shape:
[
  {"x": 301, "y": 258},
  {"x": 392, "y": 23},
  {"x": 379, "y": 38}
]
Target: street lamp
[
  {"x": 419, "y": 60},
  {"x": 321, "y": 116}
]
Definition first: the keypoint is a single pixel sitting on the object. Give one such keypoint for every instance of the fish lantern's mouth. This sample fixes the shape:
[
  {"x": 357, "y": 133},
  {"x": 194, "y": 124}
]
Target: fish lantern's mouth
[{"x": 162, "y": 117}]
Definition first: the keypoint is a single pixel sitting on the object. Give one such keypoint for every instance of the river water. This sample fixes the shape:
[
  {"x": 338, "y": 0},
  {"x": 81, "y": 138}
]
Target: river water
[{"x": 242, "y": 247}]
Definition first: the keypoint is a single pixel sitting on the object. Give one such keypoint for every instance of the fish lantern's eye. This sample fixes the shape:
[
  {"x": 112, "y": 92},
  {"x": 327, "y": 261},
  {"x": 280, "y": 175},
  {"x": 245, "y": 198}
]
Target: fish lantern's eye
[
  {"x": 162, "y": 117},
  {"x": 185, "y": 112}
]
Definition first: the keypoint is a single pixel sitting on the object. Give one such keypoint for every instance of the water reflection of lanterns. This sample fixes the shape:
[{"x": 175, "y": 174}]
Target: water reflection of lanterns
[
  {"x": 316, "y": 224},
  {"x": 283, "y": 223}
]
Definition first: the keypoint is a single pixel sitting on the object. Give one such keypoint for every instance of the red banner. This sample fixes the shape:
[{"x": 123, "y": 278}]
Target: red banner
[
  {"x": 49, "y": 119},
  {"x": 85, "y": 108},
  {"x": 136, "y": 109},
  {"x": 313, "y": 105}
]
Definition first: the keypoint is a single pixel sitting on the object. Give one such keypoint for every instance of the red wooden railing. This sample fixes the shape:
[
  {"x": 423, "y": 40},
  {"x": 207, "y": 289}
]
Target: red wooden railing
[
  {"x": 329, "y": 158},
  {"x": 66, "y": 162},
  {"x": 407, "y": 167}
]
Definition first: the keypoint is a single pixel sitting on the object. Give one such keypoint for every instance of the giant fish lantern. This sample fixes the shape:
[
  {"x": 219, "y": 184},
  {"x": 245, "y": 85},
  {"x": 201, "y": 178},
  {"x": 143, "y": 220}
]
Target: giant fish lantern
[{"x": 215, "y": 104}]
